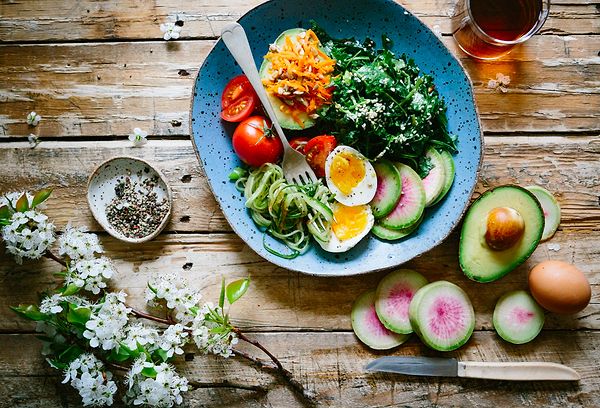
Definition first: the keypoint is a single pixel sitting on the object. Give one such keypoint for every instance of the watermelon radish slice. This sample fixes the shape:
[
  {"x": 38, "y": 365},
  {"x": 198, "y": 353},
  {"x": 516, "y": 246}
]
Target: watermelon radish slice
[
  {"x": 517, "y": 317},
  {"x": 442, "y": 316},
  {"x": 393, "y": 296},
  {"x": 389, "y": 188},
  {"x": 412, "y": 201},
  {"x": 435, "y": 181},
  {"x": 387, "y": 234},
  {"x": 448, "y": 163},
  {"x": 550, "y": 208},
  {"x": 368, "y": 328}
]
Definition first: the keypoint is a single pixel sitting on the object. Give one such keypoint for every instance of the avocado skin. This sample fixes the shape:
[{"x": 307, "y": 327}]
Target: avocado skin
[{"x": 494, "y": 265}]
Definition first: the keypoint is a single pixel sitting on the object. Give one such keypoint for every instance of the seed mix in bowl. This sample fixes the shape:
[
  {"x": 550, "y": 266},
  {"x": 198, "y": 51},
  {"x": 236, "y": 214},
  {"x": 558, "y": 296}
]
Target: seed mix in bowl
[{"x": 136, "y": 211}]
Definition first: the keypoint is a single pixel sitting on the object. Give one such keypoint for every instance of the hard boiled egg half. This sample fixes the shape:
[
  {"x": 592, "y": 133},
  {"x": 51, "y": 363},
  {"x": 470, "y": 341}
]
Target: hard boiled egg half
[
  {"x": 350, "y": 224},
  {"x": 350, "y": 176}
]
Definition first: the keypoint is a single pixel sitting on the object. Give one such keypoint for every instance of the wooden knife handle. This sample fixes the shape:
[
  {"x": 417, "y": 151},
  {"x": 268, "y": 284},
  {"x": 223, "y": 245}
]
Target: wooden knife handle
[{"x": 517, "y": 371}]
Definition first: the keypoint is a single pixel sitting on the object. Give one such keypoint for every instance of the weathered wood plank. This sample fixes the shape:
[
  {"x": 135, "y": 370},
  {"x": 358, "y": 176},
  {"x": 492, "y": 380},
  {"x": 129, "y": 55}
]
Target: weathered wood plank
[
  {"x": 284, "y": 300},
  {"x": 48, "y": 20},
  {"x": 568, "y": 167},
  {"x": 107, "y": 89},
  {"x": 331, "y": 366}
]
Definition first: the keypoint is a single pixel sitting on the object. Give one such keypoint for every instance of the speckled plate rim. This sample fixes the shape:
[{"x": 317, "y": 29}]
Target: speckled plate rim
[
  {"x": 163, "y": 223},
  {"x": 428, "y": 248}
]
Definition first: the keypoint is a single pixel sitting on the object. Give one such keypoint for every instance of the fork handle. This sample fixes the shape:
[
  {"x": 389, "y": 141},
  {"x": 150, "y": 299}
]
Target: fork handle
[{"x": 234, "y": 37}]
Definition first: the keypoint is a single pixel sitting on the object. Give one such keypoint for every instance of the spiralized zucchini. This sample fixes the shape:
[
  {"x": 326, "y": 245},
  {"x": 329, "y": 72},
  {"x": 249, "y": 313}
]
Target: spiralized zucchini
[{"x": 289, "y": 212}]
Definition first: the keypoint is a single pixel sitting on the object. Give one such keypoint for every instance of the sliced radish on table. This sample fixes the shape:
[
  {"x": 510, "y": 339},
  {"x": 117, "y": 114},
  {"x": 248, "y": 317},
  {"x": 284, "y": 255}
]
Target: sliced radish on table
[
  {"x": 393, "y": 296},
  {"x": 442, "y": 316},
  {"x": 518, "y": 318},
  {"x": 550, "y": 208},
  {"x": 368, "y": 328}
]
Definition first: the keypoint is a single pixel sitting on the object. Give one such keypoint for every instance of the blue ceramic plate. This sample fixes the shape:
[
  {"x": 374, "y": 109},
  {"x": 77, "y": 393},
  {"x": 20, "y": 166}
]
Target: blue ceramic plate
[{"x": 341, "y": 18}]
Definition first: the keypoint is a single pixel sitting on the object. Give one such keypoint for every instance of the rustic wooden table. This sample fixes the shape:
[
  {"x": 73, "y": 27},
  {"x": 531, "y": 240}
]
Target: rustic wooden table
[{"x": 96, "y": 69}]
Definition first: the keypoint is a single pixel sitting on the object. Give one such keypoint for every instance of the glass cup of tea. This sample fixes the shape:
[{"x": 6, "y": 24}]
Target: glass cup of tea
[{"x": 489, "y": 29}]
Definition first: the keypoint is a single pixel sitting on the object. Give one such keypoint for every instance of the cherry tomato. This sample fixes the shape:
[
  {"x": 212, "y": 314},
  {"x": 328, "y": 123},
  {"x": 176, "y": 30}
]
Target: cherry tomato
[
  {"x": 240, "y": 109},
  {"x": 255, "y": 143},
  {"x": 234, "y": 89},
  {"x": 316, "y": 150},
  {"x": 299, "y": 143}
]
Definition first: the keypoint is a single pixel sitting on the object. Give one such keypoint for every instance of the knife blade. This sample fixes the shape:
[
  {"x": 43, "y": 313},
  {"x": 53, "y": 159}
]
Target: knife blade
[{"x": 450, "y": 367}]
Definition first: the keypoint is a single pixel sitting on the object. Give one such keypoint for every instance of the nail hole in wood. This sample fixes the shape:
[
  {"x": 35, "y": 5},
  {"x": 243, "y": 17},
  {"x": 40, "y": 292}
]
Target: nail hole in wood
[
  {"x": 175, "y": 123},
  {"x": 183, "y": 72},
  {"x": 186, "y": 178},
  {"x": 185, "y": 218},
  {"x": 187, "y": 266}
]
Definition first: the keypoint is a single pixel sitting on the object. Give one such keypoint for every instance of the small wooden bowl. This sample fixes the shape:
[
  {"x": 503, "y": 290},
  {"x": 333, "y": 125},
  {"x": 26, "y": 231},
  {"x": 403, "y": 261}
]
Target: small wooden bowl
[{"x": 101, "y": 191}]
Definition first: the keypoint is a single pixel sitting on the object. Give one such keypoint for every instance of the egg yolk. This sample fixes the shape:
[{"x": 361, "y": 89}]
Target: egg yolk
[
  {"x": 346, "y": 171},
  {"x": 349, "y": 222}
]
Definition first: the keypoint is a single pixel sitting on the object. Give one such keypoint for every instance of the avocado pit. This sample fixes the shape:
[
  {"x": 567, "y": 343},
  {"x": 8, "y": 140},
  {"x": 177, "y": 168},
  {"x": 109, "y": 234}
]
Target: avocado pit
[{"x": 504, "y": 227}]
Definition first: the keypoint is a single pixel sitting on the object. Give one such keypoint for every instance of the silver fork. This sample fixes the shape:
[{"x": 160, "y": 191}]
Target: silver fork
[{"x": 295, "y": 168}]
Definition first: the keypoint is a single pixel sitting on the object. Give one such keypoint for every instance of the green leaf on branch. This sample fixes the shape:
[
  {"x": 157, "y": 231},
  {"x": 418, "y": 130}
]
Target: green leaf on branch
[
  {"x": 222, "y": 295},
  {"x": 122, "y": 353},
  {"x": 70, "y": 289},
  {"x": 236, "y": 289},
  {"x": 40, "y": 197},
  {"x": 4, "y": 212},
  {"x": 30, "y": 312},
  {"x": 162, "y": 354},
  {"x": 78, "y": 315},
  {"x": 149, "y": 372},
  {"x": 57, "y": 364},
  {"x": 22, "y": 203},
  {"x": 70, "y": 354}
]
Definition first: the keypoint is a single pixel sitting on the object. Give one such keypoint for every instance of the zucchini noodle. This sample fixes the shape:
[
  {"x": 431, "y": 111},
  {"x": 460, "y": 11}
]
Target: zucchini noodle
[{"x": 288, "y": 212}]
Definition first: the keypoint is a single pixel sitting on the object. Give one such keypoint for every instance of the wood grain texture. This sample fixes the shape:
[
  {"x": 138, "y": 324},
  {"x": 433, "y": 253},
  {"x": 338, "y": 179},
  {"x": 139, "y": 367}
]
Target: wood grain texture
[
  {"x": 133, "y": 20},
  {"x": 283, "y": 300},
  {"x": 331, "y": 366},
  {"x": 106, "y": 89},
  {"x": 568, "y": 167}
]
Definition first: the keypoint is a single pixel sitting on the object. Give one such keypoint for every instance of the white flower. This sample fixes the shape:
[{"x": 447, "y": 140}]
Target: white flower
[
  {"x": 170, "y": 30},
  {"x": 138, "y": 138},
  {"x": 176, "y": 293},
  {"x": 141, "y": 334},
  {"x": 91, "y": 274},
  {"x": 77, "y": 244},
  {"x": 33, "y": 140},
  {"x": 105, "y": 327},
  {"x": 33, "y": 119},
  {"x": 162, "y": 391},
  {"x": 172, "y": 339},
  {"x": 28, "y": 235},
  {"x": 218, "y": 343},
  {"x": 87, "y": 376},
  {"x": 51, "y": 304}
]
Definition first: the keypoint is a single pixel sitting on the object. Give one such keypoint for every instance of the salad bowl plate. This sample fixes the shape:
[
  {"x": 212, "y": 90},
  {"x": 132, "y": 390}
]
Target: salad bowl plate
[{"x": 340, "y": 18}]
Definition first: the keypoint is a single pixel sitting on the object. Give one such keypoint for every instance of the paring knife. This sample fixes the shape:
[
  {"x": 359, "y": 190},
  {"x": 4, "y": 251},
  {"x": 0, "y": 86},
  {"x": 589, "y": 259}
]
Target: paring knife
[{"x": 450, "y": 367}]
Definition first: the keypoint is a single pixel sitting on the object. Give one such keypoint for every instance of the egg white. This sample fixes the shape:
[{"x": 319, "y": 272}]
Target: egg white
[
  {"x": 364, "y": 192},
  {"x": 334, "y": 244}
]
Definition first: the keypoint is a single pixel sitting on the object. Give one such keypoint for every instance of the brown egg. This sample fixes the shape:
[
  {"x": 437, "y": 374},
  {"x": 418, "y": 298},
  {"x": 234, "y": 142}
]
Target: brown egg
[{"x": 559, "y": 287}]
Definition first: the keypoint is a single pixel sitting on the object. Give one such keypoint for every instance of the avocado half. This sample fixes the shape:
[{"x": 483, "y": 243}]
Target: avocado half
[
  {"x": 484, "y": 264},
  {"x": 285, "y": 121}
]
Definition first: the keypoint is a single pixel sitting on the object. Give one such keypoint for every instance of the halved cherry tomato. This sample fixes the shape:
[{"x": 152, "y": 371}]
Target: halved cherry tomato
[
  {"x": 299, "y": 143},
  {"x": 255, "y": 143},
  {"x": 240, "y": 109},
  {"x": 316, "y": 150},
  {"x": 234, "y": 89}
]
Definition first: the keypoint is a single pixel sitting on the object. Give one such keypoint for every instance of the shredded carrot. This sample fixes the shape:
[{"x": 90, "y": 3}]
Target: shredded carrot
[{"x": 299, "y": 75}]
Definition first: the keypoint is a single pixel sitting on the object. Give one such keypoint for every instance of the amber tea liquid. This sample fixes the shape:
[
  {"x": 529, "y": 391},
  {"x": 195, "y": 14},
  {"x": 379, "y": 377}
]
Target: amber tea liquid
[{"x": 481, "y": 32}]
